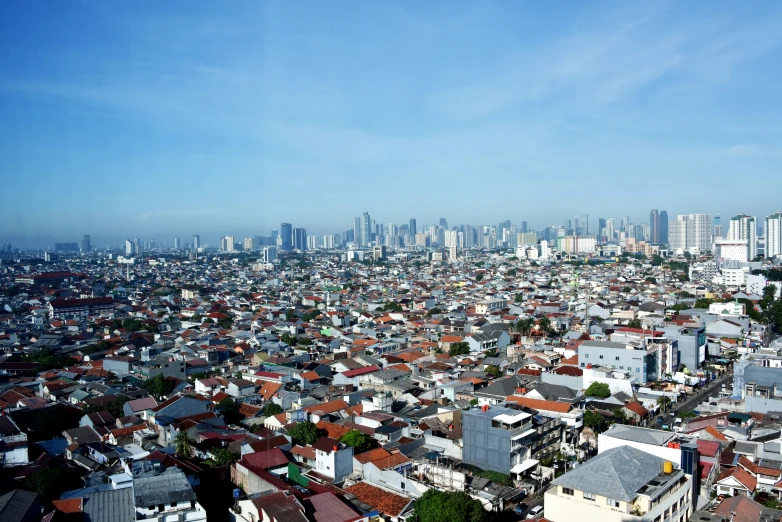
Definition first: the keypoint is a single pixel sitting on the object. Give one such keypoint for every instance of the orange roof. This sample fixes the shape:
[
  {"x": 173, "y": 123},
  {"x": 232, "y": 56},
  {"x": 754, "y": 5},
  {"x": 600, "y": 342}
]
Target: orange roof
[
  {"x": 310, "y": 376},
  {"x": 380, "y": 499},
  {"x": 636, "y": 408},
  {"x": 333, "y": 431},
  {"x": 741, "y": 475},
  {"x": 711, "y": 430},
  {"x": 327, "y": 407},
  {"x": 410, "y": 356},
  {"x": 372, "y": 455},
  {"x": 306, "y": 451},
  {"x": 68, "y": 505},
  {"x": 539, "y": 404},
  {"x": 268, "y": 389},
  {"x": 451, "y": 339}
]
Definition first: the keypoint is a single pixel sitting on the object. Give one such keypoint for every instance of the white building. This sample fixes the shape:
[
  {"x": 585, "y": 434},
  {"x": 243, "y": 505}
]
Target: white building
[
  {"x": 690, "y": 232},
  {"x": 227, "y": 244},
  {"x": 773, "y": 233},
  {"x": 744, "y": 228},
  {"x": 731, "y": 249},
  {"x": 249, "y": 244},
  {"x": 269, "y": 254}
]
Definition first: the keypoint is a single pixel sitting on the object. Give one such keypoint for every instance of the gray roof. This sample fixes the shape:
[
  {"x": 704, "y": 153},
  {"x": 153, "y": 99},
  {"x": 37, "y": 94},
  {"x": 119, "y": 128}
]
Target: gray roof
[
  {"x": 168, "y": 487},
  {"x": 618, "y": 473},
  {"x": 113, "y": 505},
  {"x": 16, "y": 505},
  {"x": 605, "y": 344},
  {"x": 642, "y": 435}
]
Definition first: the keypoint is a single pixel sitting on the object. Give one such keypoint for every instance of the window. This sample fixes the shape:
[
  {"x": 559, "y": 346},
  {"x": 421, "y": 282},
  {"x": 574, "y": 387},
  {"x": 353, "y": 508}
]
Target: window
[
  {"x": 666, "y": 512},
  {"x": 601, "y": 356},
  {"x": 612, "y": 502},
  {"x": 586, "y": 356},
  {"x": 161, "y": 507},
  {"x": 637, "y": 370},
  {"x": 589, "y": 496},
  {"x": 617, "y": 358},
  {"x": 402, "y": 485},
  {"x": 567, "y": 491},
  {"x": 621, "y": 367}
]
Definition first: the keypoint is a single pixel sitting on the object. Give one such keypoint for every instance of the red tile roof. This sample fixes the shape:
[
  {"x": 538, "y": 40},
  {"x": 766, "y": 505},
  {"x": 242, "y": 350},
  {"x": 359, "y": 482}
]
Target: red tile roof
[
  {"x": 380, "y": 499},
  {"x": 740, "y": 474},
  {"x": 539, "y": 404}
]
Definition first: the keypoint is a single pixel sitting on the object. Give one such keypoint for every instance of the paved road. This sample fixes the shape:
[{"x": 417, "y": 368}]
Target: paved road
[{"x": 694, "y": 400}]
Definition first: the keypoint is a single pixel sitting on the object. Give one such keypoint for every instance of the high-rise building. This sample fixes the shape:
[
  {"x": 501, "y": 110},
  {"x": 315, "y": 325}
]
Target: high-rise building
[
  {"x": 444, "y": 223},
  {"x": 270, "y": 254},
  {"x": 357, "y": 230},
  {"x": 249, "y": 244},
  {"x": 130, "y": 247},
  {"x": 366, "y": 229},
  {"x": 744, "y": 228},
  {"x": 690, "y": 233},
  {"x": 601, "y": 225},
  {"x": 610, "y": 230},
  {"x": 286, "y": 236},
  {"x": 227, "y": 243},
  {"x": 413, "y": 229},
  {"x": 524, "y": 227},
  {"x": 717, "y": 227},
  {"x": 196, "y": 241},
  {"x": 312, "y": 242},
  {"x": 86, "y": 246},
  {"x": 583, "y": 223},
  {"x": 176, "y": 243},
  {"x": 774, "y": 234},
  {"x": 300, "y": 238},
  {"x": 654, "y": 227},
  {"x": 664, "y": 227}
]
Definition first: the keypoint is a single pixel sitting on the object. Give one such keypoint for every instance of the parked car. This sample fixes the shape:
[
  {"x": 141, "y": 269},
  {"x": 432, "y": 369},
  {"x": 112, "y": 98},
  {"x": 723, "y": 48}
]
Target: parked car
[
  {"x": 535, "y": 512},
  {"x": 521, "y": 508}
]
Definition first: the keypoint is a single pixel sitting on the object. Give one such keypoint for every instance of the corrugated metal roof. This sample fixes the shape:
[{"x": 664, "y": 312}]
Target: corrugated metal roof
[{"x": 114, "y": 505}]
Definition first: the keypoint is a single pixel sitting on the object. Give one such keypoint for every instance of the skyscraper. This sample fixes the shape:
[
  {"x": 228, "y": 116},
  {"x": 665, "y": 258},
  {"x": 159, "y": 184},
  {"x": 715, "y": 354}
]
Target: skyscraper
[
  {"x": 583, "y": 224},
  {"x": 413, "y": 229},
  {"x": 357, "y": 230},
  {"x": 744, "y": 228},
  {"x": 444, "y": 223},
  {"x": 300, "y": 239},
  {"x": 601, "y": 224},
  {"x": 86, "y": 246},
  {"x": 524, "y": 227},
  {"x": 176, "y": 243},
  {"x": 654, "y": 227},
  {"x": 130, "y": 247},
  {"x": 663, "y": 237},
  {"x": 717, "y": 227},
  {"x": 610, "y": 229},
  {"x": 286, "y": 236},
  {"x": 774, "y": 234},
  {"x": 227, "y": 243},
  {"x": 366, "y": 229},
  {"x": 690, "y": 232},
  {"x": 196, "y": 241}
]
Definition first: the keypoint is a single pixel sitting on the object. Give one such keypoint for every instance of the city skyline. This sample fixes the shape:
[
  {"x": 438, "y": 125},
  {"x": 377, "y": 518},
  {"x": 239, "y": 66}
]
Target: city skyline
[{"x": 644, "y": 105}]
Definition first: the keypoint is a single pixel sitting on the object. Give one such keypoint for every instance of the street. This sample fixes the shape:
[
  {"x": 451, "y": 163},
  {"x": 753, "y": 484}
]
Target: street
[{"x": 695, "y": 399}]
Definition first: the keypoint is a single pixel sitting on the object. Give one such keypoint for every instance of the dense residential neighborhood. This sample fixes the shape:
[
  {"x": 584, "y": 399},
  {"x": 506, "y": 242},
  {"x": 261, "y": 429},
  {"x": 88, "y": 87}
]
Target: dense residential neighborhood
[{"x": 223, "y": 386}]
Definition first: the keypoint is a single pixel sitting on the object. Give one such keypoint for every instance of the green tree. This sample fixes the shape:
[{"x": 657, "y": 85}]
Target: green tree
[
  {"x": 51, "y": 482},
  {"x": 304, "y": 433},
  {"x": 493, "y": 370},
  {"x": 525, "y": 325},
  {"x": 271, "y": 409},
  {"x": 595, "y": 421},
  {"x": 545, "y": 325},
  {"x": 225, "y": 322},
  {"x": 635, "y": 323},
  {"x": 158, "y": 386},
  {"x": 620, "y": 417},
  {"x": 702, "y": 303},
  {"x": 449, "y": 506},
  {"x": 434, "y": 311},
  {"x": 461, "y": 348},
  {"x": 223, "y": 456},
  {"x": 519, "y": 298},
  {"x": 359, "y": 441},
  {"x": 657, "y": 260},
  {"x": 651, "y": 280},
  {"x": 679, "y": 307},
  {"x": 183, "y": 444},
  {"x": 664, "y": 402},
  {"x": 599, "y": 390},
  {"x": 479, "y": 277}
]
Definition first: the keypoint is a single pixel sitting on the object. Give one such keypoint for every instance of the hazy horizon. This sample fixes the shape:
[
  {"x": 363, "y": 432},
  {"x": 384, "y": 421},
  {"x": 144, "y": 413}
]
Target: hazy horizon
[{"x": 152, "y": 119}]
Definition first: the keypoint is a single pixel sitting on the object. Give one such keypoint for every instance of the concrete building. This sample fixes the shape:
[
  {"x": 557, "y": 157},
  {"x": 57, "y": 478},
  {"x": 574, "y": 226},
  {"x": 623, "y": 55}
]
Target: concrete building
[
  {"x": 744, "y": 228},
  {"x": 497, "y": 438},
  {"x": 731, "y": 249},
  {"x": 690, "y": 233},
  {"x": 622, "y": 484},
  {"x": 773, "y": 232},
  {"x": 641, "y": 363},
  {"x": 227, "y": 243},
  {"x": 286, "y": 237}
]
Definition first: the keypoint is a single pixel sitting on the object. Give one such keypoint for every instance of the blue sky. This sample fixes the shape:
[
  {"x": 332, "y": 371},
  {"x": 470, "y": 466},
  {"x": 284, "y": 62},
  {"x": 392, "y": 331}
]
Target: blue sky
[{"x": 156, "y": 119}]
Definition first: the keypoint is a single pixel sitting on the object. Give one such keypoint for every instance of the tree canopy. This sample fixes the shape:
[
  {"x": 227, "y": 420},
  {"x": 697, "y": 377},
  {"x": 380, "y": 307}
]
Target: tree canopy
[
  {"x": 493, "y": 370},
  {"x": 304, "y": 433},
  {"x": 359, "y": 441},
  {"x": 461, "y": 348},
  {"x": 271, "y": 409},
  {"x": 448, "y": 506},
  {"x": 158, "y": 386},
  {"x": 599, "y": 390}
]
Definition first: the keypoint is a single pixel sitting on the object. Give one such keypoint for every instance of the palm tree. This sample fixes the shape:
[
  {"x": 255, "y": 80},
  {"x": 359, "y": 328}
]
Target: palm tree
[
  {"x": 664, "y": 401},
  {"x": 183, "y": 444},
  {"x": 545, "y": 325}
]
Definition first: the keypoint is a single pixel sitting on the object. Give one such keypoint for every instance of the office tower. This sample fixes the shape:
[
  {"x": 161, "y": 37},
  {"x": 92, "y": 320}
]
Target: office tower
[
  {"x": 717, "y": 227},
  {"x": 196, "y": 241},
  {"x": 312, "y": 242},
  {"x": 357, "y": 230},
  {"x": 625, "y": 223},
  {"x": 413, "y": 229},
  {"x": 227, "y": 243},
  {"x": 654, "y": 227},
  {"x": 249, "y": 244},
  {"x": 404, "y": 230},
  {"x": 664, "y": 226},
  {"x": 610, "y": 229},
  {"x": 584, "y": 224},
  {"x": 444, "y": 223},
  {"x": 300, "y": 238},
  {"x": 773, "y": 231},
  {"x": 86, "y": 246},
  {"x": 286, "y": 236},
  {"x": 270, "y": 254},
  {"x": 176, "y": 243},
  {"x": 690, "y": 232},
  {"x": 744, "y": 228},
  {"x": 366, "y": 229},
  {"x": 275, "y": 237},
  {"x": 130, "y": 247},
  {"x": 524, "y": 227},
  {"x": 601, "y": 225}
]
